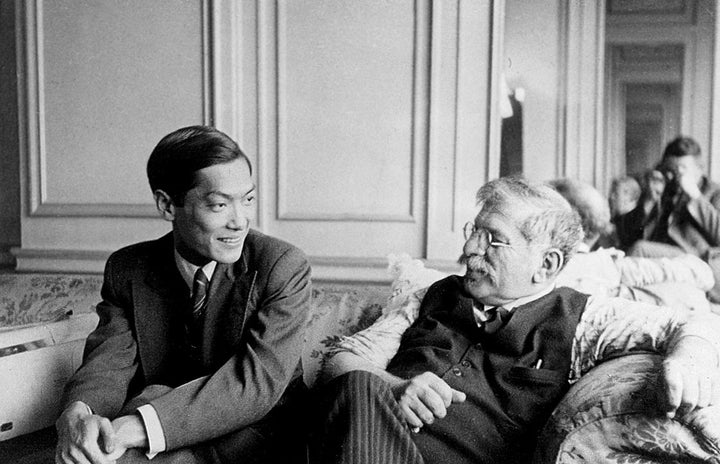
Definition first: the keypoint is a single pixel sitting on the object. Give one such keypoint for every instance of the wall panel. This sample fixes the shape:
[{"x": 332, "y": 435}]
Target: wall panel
[
  {"x": 370, "y": 124},
  {"x": 343, "y": 115},
  {"x": 104, "y": 81}
]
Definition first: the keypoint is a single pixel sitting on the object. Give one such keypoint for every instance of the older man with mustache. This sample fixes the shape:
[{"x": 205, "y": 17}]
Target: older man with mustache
[{"x": 490, "y": 353}]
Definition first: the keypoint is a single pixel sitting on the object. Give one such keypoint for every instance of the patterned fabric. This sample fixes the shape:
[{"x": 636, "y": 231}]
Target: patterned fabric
[
  {"x": 608, "y": 327},
  {"x": 610, "y": 416},
  {"x": 41, "y": 298},
  {"x": 337, "y": 310},
  {"x": 608, "y": 381},
  {"x": 342, "y": 310},
  {"x": 607, "y": 417},
  {"x": 677, "y": 282}
]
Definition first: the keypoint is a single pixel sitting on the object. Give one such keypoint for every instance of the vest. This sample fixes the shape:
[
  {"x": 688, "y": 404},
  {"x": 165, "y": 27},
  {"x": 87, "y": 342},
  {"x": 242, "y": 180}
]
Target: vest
[{"x": 508, "y": 397}]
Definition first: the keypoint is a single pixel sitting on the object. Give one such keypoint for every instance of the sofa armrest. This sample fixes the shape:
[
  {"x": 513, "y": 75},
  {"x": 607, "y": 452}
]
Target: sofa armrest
[{"x": 611, "y": 416}]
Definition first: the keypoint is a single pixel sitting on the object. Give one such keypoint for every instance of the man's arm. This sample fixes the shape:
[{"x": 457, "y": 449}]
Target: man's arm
[
  {"x": 640, "y": 272},
  {"x": 613, "y": 326},
  {"x": 706, "y": 213},
  {"x": 372, "y": 349},
  {"x": 249, "y": 384},
  {"x": 99, "y": 388}
]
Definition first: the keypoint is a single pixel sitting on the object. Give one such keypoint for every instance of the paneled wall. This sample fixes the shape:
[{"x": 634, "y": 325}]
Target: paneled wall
[
  {"x": 687, "y": 26},
  {"x": 370, "y": 124},
  {"x": 9, "y": 159},
  {"x": 554, "y": 52}
]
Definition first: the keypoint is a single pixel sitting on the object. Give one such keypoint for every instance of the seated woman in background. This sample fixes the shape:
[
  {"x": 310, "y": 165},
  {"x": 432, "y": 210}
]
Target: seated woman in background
[
  {"x": 681, "y": 281},
  {"x": 623, "y": 198},
  {"x": 624, "y": 195}
]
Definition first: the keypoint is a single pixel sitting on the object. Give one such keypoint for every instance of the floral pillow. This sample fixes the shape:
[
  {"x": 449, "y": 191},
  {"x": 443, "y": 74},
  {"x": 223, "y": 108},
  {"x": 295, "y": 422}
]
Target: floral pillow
[
  {"x": 340, "y": 311},
  {"x": 611, "y": 416},
  {"x": 41, "y": 298}
]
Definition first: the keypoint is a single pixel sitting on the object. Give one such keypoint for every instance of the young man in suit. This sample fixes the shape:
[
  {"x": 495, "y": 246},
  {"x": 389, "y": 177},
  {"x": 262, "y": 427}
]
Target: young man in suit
[{"x": 195, "y": 356}]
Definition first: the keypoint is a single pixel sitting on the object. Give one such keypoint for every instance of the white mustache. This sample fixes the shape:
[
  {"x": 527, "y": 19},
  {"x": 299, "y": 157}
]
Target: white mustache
[{"x": 475, "y": 263}]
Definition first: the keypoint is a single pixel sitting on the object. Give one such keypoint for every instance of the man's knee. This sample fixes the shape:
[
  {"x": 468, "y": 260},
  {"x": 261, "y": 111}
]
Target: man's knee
[{"x": 181, "y": 456}]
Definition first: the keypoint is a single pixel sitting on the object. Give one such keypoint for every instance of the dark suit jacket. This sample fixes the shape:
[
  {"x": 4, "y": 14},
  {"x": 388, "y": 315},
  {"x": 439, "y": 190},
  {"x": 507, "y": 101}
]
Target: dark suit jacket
[
  {"x": 254, "y": 323},
  {"x": 692, "y": 225}
]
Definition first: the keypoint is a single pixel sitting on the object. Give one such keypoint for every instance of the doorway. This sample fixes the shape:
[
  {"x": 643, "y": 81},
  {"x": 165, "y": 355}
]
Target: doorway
[{"x": 658, "y": 79}]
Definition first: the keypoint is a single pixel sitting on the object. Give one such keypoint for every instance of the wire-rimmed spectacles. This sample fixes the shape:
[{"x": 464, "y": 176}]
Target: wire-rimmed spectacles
[
  {"x": 487, "y": 239},
  {"x": 485, "y": 236}
]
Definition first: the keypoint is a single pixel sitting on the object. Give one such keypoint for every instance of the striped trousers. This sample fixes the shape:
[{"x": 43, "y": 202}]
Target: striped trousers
[{"x": 358, "y": 421}]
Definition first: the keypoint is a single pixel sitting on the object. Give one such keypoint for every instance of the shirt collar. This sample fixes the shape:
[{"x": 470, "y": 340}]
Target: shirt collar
[
  {"x": 481, "y": 316},
  {"x": 188, "y": 269}
]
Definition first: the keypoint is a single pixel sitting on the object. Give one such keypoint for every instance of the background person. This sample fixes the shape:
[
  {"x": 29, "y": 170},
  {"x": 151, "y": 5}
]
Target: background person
[
  {"x": 686, "y": 216},
  {"x": 679, "y": 282}
]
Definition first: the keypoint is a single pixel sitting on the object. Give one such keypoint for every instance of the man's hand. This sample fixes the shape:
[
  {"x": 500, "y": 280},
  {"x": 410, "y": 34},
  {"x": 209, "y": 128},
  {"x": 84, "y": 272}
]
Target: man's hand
[
  {"x": 691, "y": 377},
  {"x": 688, "y": 183},
  {"x": 130, "y": 433},
  {"x": 424, "y": 398},
  {"x": 84, "y": 437}
]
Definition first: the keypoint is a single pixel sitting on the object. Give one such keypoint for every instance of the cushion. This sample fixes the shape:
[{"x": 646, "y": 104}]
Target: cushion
[
  {"x": 41, "y": 298},
  {"x": 611, "y": 416},
  {"x": 342, "y": 310}
]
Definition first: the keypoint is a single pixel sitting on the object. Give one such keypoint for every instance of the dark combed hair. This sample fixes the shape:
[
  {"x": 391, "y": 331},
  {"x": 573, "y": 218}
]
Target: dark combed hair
[
  {"x": 179, "y": 155},
  {"x": 682, "y": 146}
]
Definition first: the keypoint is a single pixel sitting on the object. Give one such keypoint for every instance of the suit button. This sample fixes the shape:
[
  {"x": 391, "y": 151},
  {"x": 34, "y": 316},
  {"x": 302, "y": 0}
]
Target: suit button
[
  {"x": 465, "y": 363},
  {"x": 457, "y": 371}
]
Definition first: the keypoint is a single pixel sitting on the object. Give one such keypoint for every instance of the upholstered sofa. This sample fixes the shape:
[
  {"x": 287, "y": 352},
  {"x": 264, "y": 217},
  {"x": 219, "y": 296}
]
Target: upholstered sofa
[
  {"x": 44, "y": 320},
  {"x": 608, "y": 416}
]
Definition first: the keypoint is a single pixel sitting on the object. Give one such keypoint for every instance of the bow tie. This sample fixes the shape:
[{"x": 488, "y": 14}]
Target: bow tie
[{"x": 497, "y": 317}]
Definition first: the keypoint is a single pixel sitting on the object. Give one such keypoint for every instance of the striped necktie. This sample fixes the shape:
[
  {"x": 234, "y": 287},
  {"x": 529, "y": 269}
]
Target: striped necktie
[
  {"x": 200, "y": 286},
  {"x": 497, "y": 317}
]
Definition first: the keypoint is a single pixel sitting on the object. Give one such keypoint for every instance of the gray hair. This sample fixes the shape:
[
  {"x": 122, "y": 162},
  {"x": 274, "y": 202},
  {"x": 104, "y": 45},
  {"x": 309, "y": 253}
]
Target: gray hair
[
  {"x": 590, "y": 204},
  {"x": 550, "y": 218}
]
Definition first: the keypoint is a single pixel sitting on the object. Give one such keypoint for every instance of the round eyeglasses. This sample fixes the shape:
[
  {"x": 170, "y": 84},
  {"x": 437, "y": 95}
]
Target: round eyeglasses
[
  {"x": 487, "y": 240},
  {"x": 485, "y": 236}
]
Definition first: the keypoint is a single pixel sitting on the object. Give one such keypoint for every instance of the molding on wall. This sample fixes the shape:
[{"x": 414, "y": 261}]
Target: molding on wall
[
  {"x": 33, "y": 111},
  {"x": 277, "y": 97},
  {"x": 7, "y": 259},
  {"x": 496, "y": 51},
  {"x": 348, "y": 270},
  {"x": 713, "y": 166},
  {"x": 35, "y": 260},
  {"x": 580, "y": 96},
  {"x": 644, "y": 12},
  {"x": 371, "y": 270}
]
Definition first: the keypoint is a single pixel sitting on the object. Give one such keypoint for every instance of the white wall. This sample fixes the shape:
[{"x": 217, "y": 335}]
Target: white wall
[
  {"x": 533, "y": 62},
  {"x": 691, "y": 27},
  {"x": 370, "y": 124},
  {"x": 554, "y": 51}
]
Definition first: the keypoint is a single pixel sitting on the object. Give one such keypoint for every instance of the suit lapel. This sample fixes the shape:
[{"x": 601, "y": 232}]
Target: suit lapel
[
  {"x": 228, "y": 307},
  {"x": 159, "y": 306}
]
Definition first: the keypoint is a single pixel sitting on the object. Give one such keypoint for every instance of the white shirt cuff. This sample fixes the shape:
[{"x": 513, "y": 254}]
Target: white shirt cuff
[{"x": 153, "y": 428}]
